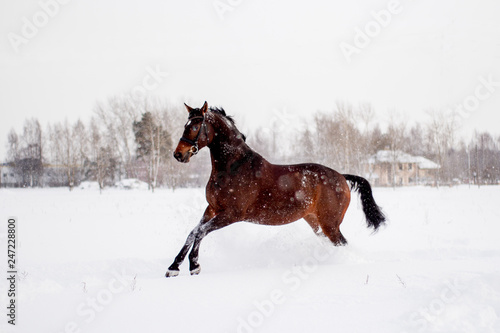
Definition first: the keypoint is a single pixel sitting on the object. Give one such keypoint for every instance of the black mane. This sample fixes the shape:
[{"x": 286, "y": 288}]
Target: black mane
[{"x": 223, "y": 113}]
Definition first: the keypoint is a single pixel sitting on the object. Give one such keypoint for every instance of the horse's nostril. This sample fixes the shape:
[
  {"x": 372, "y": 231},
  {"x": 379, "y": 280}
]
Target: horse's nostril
[{"x": 178, "y": 156}]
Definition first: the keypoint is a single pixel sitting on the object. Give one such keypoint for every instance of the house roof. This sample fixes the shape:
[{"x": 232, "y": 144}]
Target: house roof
[
  {"x": 388, "y": 156},
  {"x": 424, "y": 163}
]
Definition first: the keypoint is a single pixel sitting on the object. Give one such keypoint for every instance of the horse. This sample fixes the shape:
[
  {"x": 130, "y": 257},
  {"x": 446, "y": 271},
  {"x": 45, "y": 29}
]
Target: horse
[{"x": 243, "y": 186}]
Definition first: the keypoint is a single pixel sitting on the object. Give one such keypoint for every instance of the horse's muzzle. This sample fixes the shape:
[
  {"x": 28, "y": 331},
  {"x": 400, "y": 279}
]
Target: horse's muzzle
[{"x": 183, "y": 158}]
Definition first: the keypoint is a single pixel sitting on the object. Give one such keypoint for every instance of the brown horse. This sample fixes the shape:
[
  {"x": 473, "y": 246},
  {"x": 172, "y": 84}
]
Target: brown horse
[{"x": 243, "y": 186}]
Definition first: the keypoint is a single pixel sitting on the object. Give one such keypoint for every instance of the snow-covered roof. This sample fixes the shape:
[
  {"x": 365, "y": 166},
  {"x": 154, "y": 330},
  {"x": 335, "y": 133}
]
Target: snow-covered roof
[
  {"x": 388, "y": 156},
  {"x": 424, "y": 163}
]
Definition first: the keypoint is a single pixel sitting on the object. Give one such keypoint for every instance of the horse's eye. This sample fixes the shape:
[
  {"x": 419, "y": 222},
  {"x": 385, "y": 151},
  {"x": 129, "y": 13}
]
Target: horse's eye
[{"x": 194, "y": 128}]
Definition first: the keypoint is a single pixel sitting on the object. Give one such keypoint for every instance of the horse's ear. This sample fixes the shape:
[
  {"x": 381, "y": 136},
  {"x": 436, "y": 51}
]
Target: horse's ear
[
  {"x": 204, "y": 108},
  {"x": 189, "y": 109}
]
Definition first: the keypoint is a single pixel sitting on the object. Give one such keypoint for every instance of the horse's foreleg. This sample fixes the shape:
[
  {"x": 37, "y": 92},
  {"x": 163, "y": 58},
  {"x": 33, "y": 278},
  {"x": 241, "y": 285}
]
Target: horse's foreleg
[
  {"x": 218, "y": 222},
  {"x": 173, "y": 270}
]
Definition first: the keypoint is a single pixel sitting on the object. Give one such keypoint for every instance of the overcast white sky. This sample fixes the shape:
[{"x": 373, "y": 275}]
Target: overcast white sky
[{"x": 263, "y": 57}]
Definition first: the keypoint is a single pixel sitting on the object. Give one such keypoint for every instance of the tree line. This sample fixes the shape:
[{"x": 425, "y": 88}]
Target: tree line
[
  {"x": 129, "y": 139},
  {"x": 346, "y": 137},
  {"x": 123, "y": 139}
]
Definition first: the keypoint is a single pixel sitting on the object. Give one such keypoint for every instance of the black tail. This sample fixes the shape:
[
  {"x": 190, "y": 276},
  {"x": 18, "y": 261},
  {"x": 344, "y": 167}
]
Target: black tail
[{"x": 374, "y": 216}]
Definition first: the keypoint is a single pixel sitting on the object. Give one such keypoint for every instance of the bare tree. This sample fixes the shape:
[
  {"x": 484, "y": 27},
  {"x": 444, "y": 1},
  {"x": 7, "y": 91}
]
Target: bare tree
[
  {"x": 13, "y": 146},
  {"x": 441, "y": 131},
  {"x": 344, "y": 116},
  {"x": 485, "y": 160},
  {"x": 81, "y": 149},
  {"x": 67, "y": 151},
  {"x": 415, "y": 143},
  {"x": 306, "y": 146},
  {"x": 118, "y": 116},
  {"x": 326, "y": 149},
  {"x": 396, "y": 131},
  {"x": 366, "y": 113},
  {"x": 338, "y": 140},
  {"x": 98, "y": 163},
  {"x": 31, "y": 139},
  {"x": 102, "y": 163},
  {"x": 26, "y": 153}
]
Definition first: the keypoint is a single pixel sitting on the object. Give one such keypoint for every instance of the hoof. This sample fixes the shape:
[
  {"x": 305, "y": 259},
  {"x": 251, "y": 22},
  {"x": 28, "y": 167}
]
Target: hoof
[
  {"x": 196, "y": 271},
  {"x": 171, "y": 273}
]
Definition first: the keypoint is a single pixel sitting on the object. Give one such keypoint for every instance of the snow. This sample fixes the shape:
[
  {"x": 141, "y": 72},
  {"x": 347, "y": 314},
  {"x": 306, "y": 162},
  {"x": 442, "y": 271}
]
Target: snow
[
  {"x": 87, "y": 185},
  {"x": 132, "y": 184},
  {"x": 95, "y": 263}
]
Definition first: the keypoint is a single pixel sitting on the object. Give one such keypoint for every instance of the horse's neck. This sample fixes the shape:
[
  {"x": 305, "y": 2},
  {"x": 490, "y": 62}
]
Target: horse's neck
[
  {"x": 225, "y": 154},
  {"x": 228, "y": 148}
]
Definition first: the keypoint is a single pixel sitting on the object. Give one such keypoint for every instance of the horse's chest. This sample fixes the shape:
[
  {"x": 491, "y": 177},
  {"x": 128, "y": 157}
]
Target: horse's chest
[{"x": 228, "y": 193}]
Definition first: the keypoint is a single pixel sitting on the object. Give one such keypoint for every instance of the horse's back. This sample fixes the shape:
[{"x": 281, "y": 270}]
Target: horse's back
[{"x": 314, "y": 174}]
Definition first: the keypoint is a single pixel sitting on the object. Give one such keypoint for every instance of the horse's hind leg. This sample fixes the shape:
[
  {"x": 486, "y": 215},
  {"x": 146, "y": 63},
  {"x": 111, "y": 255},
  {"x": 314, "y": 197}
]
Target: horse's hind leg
[
  {"x": 331, "y": 229},
  {"x": 312, "y": 220},
  {"x": 331, "y": 216},
  {"x": 327, "y": 228}
]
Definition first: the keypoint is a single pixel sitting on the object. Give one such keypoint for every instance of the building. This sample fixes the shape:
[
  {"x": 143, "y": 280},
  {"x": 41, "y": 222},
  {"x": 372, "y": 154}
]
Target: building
[
  {"x": 25, "y": 173},
  {"x": 9, "y": 176},
  {"x": 387, "y": 168}
]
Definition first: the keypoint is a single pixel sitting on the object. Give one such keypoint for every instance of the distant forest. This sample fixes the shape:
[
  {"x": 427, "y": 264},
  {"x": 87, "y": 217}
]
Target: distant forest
[{"x": 125, "y": 139}]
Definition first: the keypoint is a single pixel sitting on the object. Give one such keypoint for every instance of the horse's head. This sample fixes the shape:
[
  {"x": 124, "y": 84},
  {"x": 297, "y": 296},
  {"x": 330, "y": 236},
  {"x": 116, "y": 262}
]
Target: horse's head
[{"x": 195, "y": 135}]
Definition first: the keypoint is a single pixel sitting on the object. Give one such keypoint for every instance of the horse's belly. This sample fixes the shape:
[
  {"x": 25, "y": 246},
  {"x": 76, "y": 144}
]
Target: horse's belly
[{"x": 278, "y": 211}]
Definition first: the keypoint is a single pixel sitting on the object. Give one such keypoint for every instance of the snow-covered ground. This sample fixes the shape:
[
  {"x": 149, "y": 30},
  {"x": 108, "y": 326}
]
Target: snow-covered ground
[{"x": 95, "y": 263}]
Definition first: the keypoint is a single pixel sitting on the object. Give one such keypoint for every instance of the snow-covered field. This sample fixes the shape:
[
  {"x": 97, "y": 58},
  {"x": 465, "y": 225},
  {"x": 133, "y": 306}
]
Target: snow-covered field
[{"x": 95, "y": 263}]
